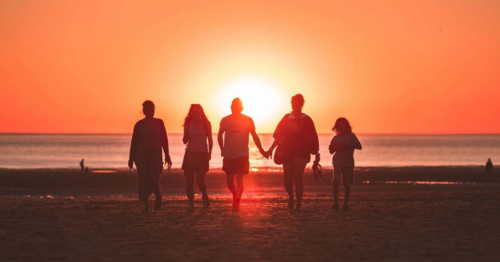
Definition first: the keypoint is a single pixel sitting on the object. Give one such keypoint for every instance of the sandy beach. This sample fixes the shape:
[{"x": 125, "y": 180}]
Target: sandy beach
[{"x": 65, "y": 215}]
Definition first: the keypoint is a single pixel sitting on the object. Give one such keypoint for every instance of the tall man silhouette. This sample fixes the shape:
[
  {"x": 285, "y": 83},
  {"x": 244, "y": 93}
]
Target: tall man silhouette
[{"x": 233, "y": 140}]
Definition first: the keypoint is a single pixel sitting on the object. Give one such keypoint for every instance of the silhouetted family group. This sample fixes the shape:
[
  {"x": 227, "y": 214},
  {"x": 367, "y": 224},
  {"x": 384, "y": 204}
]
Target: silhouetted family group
[{"x": 295, "y": 140}]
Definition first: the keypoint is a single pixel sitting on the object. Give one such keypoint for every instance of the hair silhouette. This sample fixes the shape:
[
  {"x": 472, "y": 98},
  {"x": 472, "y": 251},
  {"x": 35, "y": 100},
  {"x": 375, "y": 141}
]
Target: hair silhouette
[
  {"x": 339, "y": 121},
  {"x": 204, "y": 118},
  {"x": 299, "y": 99},
  {"x": 147, "y": 103}
]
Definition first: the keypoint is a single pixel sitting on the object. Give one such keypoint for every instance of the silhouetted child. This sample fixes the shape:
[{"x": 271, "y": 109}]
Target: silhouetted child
[
  {"x": 82, "y": 165},
  {"x": 489, "y": 166},
  {"x": 87, "y": 170},
  {"x": 342, "y": 146}
]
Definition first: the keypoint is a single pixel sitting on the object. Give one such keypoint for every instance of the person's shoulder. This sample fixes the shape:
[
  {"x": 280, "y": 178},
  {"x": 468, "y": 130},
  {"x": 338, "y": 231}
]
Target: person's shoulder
[
  {"x": 159, "y": 120},
  {"x": 225, "y": 118},
  {"x": 305, "y": 116},
  {"x": 246, "y": 117},
  {"x": 139, "y": 122}
]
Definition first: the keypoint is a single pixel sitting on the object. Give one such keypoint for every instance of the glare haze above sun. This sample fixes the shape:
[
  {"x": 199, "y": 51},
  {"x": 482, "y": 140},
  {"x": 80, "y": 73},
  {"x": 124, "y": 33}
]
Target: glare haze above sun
[{"x": 262, "y": 99}]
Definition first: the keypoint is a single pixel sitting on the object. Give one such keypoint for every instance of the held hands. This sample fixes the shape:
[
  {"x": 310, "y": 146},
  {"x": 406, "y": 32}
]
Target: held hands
[
  {"x": 269, "y": 153},
  {"x": 265, "y": 154}
]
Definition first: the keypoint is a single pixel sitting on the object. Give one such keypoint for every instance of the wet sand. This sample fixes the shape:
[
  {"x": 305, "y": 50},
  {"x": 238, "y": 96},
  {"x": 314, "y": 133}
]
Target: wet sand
[{"x": 95, "y": 217}]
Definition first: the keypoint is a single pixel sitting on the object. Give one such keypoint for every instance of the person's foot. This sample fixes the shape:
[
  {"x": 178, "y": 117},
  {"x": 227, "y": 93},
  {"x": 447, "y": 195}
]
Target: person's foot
[
  {"x": 190, "y": 209},
  {"x": 236, "y": 206},
  {"x": 290, "y": 204},
  {"x": 345, "y": 207},
  {"x": 145, "y": 210},
  {"x": 158, "y": 203},
  {"x": 335, "y": 206},
  {"x": 206, "y": 201},
  {"x": 299, "y": 206}
]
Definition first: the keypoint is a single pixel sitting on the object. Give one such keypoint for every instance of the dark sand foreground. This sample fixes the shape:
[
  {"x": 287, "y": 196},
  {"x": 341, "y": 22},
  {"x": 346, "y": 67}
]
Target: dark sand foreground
[{"x": 94, "y": 217}]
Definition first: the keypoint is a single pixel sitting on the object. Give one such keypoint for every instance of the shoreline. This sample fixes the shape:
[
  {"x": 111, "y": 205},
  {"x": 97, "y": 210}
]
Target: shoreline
[{"x": 121, "y": 182}]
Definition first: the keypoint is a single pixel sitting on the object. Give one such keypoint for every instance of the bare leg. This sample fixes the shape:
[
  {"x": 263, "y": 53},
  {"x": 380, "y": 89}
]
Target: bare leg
[
  {"x": 288, "y": 180},
  {"x": 200, "y": 179},
  {"x": 336, "y": 183},
  {"x": 347, "y": 194},
  {"x": 300, "y": 165},
  {"x": 189, "y": 175},
  {"x": 230, "y": 184},
  {"x": 157, "y": 190},
  {"x": 239, "y": 192},
  {"x": 240, "y": 186}
]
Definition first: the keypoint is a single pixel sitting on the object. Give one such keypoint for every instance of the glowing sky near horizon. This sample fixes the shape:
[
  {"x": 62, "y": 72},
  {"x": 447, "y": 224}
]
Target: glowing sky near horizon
[{"x": 388, "y": 66}]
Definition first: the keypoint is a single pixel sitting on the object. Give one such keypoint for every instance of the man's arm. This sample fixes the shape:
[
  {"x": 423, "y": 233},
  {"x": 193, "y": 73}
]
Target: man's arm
[
  {"x": 164, "y": 143},
  {"x": 220, "y": 140},
  {"x": 256, "y": 140},
  {"x": 210, "y": 141},
  {"x": 133, "y": 146}
]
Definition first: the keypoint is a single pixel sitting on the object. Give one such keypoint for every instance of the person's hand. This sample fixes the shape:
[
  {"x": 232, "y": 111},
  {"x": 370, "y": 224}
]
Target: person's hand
[
  {"x": 168, "y": 161},
  {"x": 270, "y": 153},
  {"x": 317, "y": 159},
  {"x": 131, "y": 164},
  {"x": 263, "y": 153},
  {"x": 209, "y": 156}
]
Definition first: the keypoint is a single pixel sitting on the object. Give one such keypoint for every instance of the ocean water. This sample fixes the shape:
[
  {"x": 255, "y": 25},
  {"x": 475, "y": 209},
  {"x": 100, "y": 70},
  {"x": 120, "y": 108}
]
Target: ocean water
[{"x": 111, "y": 151}]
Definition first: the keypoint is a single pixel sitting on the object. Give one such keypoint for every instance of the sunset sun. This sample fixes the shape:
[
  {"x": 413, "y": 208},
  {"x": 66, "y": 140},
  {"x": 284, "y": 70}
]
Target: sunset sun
[{"x": 262, "y": 99}]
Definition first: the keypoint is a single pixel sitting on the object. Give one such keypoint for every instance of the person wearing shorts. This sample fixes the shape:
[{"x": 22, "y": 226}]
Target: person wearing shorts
[
  {"x": 342, "y": 146},
  {"x": 197, "y": 132},
  {"x": 233, "y": 138},
  {"x": 297, "y": 136}
]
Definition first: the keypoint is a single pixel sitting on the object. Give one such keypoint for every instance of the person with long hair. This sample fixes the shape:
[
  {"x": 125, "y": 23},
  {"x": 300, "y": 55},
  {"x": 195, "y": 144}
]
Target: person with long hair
[
  {"x": 342, "y": 146},
  {"x": 148, "y": 139},
  {"x": 197, "y": 131},
  {"x": 233, "y": 138},
  {"x": 296, "y": 139}
]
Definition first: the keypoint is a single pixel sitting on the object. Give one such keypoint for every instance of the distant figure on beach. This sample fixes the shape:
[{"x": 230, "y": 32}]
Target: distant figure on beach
[
  {"x": 296, "y": 139},
  {"x": 197, "y": 131},
  {"x": 342, "y": 146},
  {"x": 82, "y": 164},
  {"x": 489, "y": 166},
  {"x": 87, "y": 170},
  {"x": 148, "y": 139},
  {"x": 233, "y": 138}
]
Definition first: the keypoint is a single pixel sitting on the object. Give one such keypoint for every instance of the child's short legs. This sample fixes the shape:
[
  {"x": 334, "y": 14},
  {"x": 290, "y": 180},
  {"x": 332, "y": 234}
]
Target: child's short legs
[{"x": 346, "y": 173}]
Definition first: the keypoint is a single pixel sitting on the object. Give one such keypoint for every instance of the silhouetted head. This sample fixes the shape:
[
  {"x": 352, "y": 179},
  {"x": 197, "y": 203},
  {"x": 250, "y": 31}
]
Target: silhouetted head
[
  {"x": 148, "y": 108},
  {"x": 195, "y": 113},
  {"x": 237, "y": 106},
  {"x": 297, "y": 103},
  {"x": 342, "y": 126}
]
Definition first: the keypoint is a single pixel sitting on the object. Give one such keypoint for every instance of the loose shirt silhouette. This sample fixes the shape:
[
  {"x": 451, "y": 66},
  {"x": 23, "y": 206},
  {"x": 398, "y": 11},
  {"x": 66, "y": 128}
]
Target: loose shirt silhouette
[{"x": 146, "y": 151}]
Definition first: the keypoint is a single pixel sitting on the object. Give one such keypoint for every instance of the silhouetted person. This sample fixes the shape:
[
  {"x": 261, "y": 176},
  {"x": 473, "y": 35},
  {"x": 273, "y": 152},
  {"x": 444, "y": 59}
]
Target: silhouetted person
[
  {"x": 233, "y": 141},
  {"x": 342, "y": 146},
  {"x": 297, "y": 139},
  {"x": 82, "y": 164},
  {"x": 197, "y": 131},
  {"x": 87, "y": 170},
  {"x": 489, "y": 166},
  {"x": 148, "y": 139}
]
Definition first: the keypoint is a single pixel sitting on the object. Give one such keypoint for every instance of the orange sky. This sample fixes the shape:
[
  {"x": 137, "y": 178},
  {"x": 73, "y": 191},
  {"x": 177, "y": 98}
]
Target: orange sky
[{"x": 388, "y": 66}]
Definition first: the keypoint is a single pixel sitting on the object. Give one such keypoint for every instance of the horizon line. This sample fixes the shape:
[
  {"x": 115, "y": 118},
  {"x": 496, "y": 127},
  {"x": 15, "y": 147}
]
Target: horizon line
[{"x": 264, "y": 133}]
